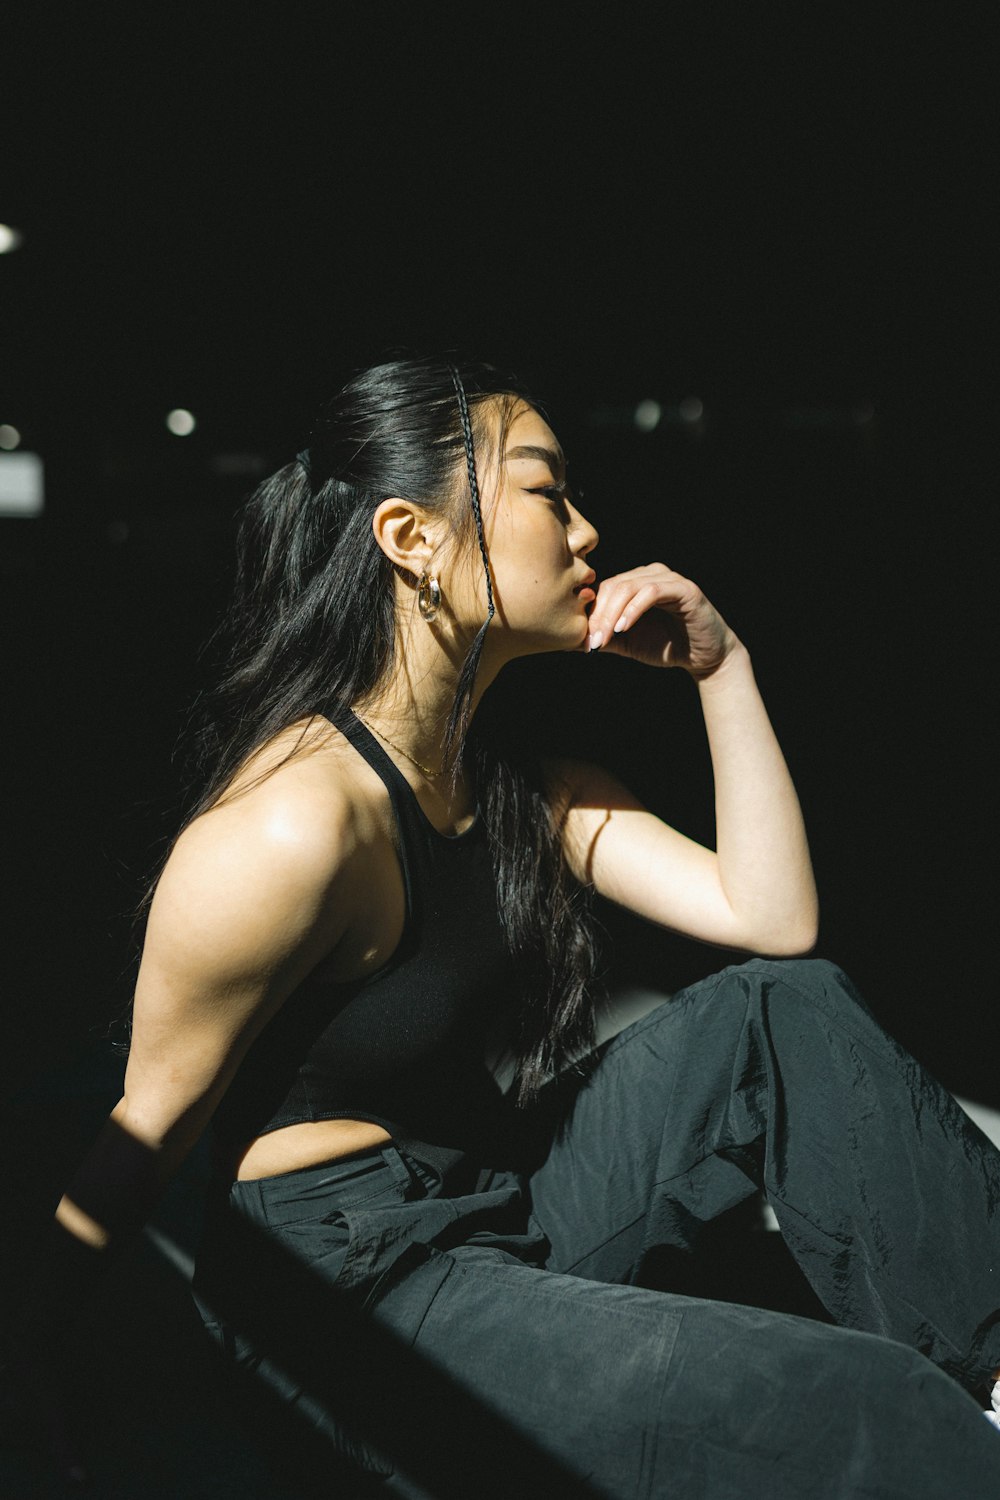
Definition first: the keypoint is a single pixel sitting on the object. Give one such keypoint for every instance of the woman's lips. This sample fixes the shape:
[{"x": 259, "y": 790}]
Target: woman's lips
[{"x": 586, "y": 594}]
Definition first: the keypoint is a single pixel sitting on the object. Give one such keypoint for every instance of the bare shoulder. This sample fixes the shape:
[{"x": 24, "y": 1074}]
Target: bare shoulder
[
  {"x": 311, "y": 753},
  {"x": 256, "y": 892},
  {"x": 276, "y": 851},
  {"x": 297, "y": 792}
]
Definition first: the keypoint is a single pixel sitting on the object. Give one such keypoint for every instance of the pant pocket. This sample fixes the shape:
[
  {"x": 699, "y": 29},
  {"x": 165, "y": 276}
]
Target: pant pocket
[{"x": 314, "y": 1194}]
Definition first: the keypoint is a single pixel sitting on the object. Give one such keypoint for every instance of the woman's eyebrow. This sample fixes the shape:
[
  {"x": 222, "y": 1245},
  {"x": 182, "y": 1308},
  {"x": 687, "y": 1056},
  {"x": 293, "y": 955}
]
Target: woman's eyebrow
[{"x": 555, "y": 460}]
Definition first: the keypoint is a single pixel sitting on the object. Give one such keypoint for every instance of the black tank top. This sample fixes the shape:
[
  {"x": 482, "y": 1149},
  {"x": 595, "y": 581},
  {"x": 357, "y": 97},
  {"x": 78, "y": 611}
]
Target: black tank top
[{"x": 406, "y": 1046}]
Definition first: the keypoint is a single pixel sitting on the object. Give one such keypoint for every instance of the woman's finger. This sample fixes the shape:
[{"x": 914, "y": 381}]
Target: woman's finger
[
  {"x": 640, "y": 601},
  {"x": 624, "y": 598}
]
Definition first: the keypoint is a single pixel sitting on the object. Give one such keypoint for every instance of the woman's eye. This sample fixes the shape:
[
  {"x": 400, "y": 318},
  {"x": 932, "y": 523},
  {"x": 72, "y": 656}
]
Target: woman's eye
[{"x": 560, "y": 491}]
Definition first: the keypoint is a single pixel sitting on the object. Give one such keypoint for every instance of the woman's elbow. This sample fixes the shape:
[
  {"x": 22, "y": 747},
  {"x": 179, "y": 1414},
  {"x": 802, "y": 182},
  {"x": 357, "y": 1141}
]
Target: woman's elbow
[{"x": 792, "y": 939}]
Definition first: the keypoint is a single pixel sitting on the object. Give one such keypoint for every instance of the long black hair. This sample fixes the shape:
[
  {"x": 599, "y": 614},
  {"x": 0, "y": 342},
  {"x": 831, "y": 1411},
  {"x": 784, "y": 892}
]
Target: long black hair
[{"x": 313, "y": 620}]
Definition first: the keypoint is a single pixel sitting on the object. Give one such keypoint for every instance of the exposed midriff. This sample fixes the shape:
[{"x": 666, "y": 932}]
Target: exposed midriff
[{"x": 306, "y": 1144}]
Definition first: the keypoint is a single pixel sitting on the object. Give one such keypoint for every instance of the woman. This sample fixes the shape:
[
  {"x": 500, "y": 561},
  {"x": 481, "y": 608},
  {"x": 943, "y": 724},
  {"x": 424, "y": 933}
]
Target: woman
[{"x": 370, "y": 899}]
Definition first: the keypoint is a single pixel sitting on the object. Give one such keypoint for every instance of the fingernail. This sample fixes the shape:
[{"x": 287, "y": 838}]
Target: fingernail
[
  {"x": 596, "y": 639},
  {"x": 620, "y": 625}
]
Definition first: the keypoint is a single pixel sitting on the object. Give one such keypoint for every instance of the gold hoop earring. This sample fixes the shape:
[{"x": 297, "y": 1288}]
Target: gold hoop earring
[{"x": 428, "y": 596}]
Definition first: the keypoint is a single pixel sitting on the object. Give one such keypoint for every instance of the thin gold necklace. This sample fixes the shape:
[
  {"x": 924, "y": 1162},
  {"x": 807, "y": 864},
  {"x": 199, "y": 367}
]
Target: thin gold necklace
[{"x": 409, "y": 757}]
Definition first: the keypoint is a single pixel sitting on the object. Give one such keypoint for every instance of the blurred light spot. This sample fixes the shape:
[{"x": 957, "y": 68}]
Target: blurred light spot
[
  {"x": 9, "y": 239},
  {"x": 180, "y": 422},
  {"x": 691, "y": 410},
  {"x": 647, "y": 415},
  {"x": 22, "y": 484},
  {"x": 10, "y": 438}
]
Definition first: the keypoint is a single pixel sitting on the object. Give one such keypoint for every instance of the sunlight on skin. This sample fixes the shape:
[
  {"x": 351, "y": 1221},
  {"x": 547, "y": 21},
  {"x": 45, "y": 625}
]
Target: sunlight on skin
[{"x": 81, "y": 1226}]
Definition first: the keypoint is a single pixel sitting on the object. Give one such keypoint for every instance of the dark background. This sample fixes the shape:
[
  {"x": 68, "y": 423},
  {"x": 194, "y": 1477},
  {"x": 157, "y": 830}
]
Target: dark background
[{"x": 779, "y": 210}]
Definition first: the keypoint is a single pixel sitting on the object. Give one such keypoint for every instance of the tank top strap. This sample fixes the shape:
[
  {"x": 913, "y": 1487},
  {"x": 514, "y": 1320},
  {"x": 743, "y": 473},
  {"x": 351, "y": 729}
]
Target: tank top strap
[
  {"x": 400, "y": 791},
  {"x": 405, "y": 803}
]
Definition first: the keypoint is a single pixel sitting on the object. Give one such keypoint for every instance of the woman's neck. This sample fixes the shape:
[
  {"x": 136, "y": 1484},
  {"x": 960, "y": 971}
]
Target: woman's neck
[
  {"x": 414, "y": 704},
  {"x": 413, "y": 707}
]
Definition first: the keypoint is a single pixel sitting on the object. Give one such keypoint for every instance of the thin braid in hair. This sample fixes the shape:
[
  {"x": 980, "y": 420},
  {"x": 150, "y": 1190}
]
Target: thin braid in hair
[
  {"x": 470, "y": 459},
  {"x": 561, "y": 1028},
  {"x": 458, "y": 720}
]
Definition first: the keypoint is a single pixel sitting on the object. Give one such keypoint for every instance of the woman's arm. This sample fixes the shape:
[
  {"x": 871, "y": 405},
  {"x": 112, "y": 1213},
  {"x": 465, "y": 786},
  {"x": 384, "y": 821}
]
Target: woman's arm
[
  {"x": 756, "y": 890},
  {"x": 254, "y": 894},
  {"x": 764, "y": 868}
]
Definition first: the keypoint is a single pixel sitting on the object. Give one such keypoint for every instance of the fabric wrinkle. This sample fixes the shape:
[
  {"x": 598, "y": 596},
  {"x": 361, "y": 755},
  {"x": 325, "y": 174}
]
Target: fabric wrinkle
[{"x": 524, "y": 1292}]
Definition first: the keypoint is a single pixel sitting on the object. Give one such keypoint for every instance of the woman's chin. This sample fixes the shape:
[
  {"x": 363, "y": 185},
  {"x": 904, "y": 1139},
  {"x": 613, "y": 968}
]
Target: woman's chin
[
  {"x": 581, "y": 641},
  {"x": 570, "y": 635}
]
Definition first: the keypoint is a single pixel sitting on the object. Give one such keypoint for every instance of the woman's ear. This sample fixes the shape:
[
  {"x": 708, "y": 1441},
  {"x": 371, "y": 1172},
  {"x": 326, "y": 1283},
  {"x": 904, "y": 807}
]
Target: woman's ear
[{"x": 406, "y": 533}]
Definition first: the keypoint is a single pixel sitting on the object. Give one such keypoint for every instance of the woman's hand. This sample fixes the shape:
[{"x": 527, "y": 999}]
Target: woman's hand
[{"x": 657, "y": 617}]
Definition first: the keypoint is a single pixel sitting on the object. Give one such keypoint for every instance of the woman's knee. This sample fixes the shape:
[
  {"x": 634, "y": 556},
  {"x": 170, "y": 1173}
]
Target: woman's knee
[
  {"x": 800, "y": 968},
  {"x": 811, "y": 978},
  {"x": 801, "y": 990}
]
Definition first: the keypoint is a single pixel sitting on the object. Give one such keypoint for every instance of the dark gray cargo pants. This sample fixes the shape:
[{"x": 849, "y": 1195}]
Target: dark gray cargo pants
[{"x": 494, "y": 1342}]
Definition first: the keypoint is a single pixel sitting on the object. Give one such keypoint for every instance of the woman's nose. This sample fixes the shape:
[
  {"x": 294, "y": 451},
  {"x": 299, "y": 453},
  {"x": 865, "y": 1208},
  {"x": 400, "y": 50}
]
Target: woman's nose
[{"x": 591, "y": 536}]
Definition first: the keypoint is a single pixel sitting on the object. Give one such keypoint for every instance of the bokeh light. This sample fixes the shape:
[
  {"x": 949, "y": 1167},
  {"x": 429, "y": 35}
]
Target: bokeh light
[
  {"x": 647, "y": 415},
  {"x": 180, "y": 422}
]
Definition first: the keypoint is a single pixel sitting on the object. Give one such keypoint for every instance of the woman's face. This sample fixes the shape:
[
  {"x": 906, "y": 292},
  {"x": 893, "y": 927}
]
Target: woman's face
[{"x": 537, "y": 542}]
